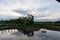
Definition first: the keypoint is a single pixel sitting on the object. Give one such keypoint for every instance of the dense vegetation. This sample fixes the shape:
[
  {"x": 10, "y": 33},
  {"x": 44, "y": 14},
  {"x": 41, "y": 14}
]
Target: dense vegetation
[
  {"x": 28, "y": 23},
  {"x": 19, "y": 23}
]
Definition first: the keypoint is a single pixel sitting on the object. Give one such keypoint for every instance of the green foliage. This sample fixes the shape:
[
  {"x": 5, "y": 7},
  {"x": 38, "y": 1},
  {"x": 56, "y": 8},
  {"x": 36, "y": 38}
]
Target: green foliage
[
  {"x": 28, "y": 23},
  {"x": 21, "y": 22}
]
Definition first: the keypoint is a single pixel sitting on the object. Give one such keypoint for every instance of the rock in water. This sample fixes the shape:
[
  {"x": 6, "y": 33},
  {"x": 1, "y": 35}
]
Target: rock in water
[{"x": 44, "y": 31}]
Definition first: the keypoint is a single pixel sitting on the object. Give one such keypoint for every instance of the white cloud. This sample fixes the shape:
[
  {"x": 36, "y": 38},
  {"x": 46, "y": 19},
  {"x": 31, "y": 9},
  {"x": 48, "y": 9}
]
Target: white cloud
[
  {"x": 9, "y": 14},
  {"x": 41, "y": 9}
]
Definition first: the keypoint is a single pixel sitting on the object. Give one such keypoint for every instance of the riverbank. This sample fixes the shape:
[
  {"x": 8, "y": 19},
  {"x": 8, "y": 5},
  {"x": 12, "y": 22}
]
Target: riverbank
[{"x": 35, "y": 26}]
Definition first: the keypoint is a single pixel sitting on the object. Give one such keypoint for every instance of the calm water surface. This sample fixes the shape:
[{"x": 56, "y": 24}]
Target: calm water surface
[{"x": 38, "y": 35}]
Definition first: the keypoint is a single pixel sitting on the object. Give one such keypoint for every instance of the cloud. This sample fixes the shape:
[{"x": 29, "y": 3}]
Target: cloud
[
  {"x": 22, "y": 11},
  {"x": 41, "y": 9},
  {"x": 9, "y": 14}
]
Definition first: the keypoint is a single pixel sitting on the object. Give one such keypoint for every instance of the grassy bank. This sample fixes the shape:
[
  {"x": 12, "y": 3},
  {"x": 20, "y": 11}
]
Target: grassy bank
[{"x": 34, "y": 26}]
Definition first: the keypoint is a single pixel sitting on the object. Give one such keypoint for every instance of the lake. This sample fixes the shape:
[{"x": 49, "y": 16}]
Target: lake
[{"x": 13, "y": 34}]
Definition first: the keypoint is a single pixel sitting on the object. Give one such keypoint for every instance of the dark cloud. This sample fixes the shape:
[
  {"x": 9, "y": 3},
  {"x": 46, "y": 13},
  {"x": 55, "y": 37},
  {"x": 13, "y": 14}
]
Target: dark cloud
[{"x": 24, "y": 12}]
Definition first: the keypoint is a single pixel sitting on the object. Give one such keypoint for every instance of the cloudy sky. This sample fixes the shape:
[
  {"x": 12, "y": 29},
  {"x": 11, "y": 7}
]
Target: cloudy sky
[{"x": 43, "y": 10}]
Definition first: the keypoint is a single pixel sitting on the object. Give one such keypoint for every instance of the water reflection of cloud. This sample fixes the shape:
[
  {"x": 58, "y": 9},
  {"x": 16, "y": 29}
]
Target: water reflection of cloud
[
  {"x": 17, "y": 33},
  {"x": 38, "y": 35}
]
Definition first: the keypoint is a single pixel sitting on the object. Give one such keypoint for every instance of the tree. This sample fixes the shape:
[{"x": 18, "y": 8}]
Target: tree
[{"x": 30, "y": 18}]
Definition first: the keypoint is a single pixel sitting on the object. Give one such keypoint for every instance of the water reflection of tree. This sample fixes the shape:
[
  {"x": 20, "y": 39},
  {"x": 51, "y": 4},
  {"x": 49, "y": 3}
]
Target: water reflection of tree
[{"x": 28, "y": 32}]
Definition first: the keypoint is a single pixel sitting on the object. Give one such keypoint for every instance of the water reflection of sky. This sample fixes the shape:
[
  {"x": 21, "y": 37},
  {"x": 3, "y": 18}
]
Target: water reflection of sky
[{"x": 38, "y": 35}]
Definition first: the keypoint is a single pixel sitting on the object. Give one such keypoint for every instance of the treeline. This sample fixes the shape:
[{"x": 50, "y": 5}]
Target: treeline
[
  {"x": 28, "y": 23},
  {"x": 48, "y": 25}
]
